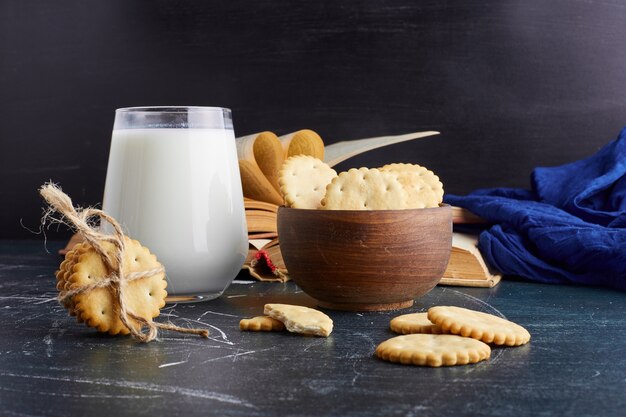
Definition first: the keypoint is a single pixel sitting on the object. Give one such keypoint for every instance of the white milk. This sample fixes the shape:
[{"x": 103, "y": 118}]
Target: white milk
[{"x": 178, "y": 192}]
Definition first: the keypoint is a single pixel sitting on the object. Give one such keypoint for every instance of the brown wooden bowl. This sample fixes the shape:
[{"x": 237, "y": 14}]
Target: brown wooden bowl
[{"x": 363, "y": 260}]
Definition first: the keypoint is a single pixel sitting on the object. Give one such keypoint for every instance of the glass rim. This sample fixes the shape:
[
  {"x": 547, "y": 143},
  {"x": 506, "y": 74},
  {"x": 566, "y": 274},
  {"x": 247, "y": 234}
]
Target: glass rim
[{"x": 170, "y": 109}]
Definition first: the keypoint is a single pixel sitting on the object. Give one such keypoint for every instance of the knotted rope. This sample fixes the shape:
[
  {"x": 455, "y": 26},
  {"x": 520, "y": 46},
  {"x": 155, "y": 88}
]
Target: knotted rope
[{"x": 116, "y": 281}]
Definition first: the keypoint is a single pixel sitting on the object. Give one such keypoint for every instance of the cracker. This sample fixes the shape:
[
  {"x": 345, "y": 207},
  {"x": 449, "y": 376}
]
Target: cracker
[
  {"x": 98, "y": 308},
  {"x": 261, "y": 324},
  {"x": 65, "y": 266},
  {"x": 413, "y": 323},
  {"x": 65, "y": 270},
  {"x": 424, "y": 187},
  {"x": 478, "y": 325},
  {"x": 365, "y": 189},
  {"x": 303, "y": 180},
  {"x": 433, "y": 350},
  {"x": 68, "y": 263},
  {"x": 421, "y": 194},
  {"x": 299, "y": 319}
]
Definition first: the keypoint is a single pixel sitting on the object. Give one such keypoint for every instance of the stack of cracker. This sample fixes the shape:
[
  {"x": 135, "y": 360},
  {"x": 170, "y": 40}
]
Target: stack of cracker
[
  {"x": 109, "y": 282},
  {"x": 98, "y": 307}
]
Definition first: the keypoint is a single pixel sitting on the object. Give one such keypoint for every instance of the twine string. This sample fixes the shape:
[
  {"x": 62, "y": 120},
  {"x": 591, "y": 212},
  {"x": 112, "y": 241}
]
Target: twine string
[{"x": 116, "y": 281}]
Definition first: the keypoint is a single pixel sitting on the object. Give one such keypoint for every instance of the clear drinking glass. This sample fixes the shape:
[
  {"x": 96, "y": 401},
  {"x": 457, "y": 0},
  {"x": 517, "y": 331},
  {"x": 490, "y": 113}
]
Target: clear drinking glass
[{"x": 173, "y": 184}]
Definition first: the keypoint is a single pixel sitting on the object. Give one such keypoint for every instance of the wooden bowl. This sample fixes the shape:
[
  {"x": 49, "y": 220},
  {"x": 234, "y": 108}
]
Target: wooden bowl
[{"x": 361, "y": 260}]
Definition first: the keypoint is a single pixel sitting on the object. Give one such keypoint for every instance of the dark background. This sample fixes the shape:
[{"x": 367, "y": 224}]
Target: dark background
[{"x": 510, "y": 84}]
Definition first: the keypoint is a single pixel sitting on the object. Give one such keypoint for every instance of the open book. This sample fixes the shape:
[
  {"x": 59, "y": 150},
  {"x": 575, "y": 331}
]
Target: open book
[
  {"x": 467, "y": 266},
  {"x": 265, "y": 261},
  {"x": 261, "y": 219}
]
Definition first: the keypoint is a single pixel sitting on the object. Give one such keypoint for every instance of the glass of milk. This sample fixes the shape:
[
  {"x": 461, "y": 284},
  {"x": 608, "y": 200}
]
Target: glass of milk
[{"x": 173, "y": 184}]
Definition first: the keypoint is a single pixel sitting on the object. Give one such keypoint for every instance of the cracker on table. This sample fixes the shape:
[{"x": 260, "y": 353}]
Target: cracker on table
[
  {"x": 300, "y": 319},
  {"x": 303, "y": 180},
  {"x": 424, "y": 187},
  {"x": 413, "y": 323},
  {"x": 433, "y": 350},
  {"x": 98, "y": 308},
  {"x": 261, "y": 324},
  {"x": 478, "y": 325},
  {"x": 365, "y": 189}
]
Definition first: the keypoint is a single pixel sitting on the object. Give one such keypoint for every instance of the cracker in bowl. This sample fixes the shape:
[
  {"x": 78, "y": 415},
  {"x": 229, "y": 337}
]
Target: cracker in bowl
[
  {"x": 424, "y": 187},
  {"x": 303, "y": 180},
  {"x": 365, "y": 189}
]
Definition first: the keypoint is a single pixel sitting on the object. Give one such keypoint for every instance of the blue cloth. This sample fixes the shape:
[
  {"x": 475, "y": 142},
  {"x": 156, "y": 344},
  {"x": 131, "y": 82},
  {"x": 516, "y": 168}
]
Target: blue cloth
[{"x": 569, "y": 228}]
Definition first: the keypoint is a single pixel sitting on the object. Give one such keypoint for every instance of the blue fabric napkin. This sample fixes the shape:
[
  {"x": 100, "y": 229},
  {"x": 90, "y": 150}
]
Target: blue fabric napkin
[{"x": 569, "y": 228}]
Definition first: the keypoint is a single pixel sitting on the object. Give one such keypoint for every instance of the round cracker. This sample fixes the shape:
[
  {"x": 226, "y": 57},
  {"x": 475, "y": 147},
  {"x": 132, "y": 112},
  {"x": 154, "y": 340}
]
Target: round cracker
[
  {"x": 413, "y": 323},
  {"x": 365, "y": 189},
  {"x": 433, "y": 350},
  {"x": 98, "y": 308},
  {"x": 65, "y": 271},
  {"x": 424, "y": 187},
  {"x": 478, "y": 325},
  {"x": 303, "y": 180}
]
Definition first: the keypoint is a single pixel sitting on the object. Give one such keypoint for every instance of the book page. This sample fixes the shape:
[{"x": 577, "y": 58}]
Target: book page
[{"x": 340, "y": 151}]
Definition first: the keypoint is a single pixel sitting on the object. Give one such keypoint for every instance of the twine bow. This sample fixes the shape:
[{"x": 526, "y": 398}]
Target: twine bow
[{"x": 116, "y": 280}]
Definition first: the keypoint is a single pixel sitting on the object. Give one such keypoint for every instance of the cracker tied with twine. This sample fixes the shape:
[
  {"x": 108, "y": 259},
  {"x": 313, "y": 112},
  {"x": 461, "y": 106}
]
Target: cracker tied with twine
[{"x": 109, "y": 282}]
